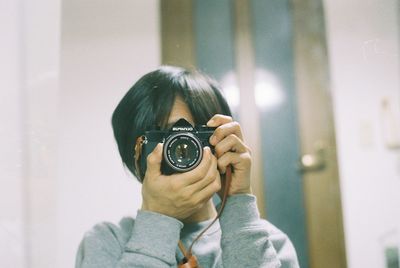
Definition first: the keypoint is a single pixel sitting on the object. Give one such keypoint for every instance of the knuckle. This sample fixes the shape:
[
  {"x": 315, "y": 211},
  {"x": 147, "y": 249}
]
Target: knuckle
[
  {"x": 218, "y": 132},
  {"x": 236, "y": 125},
  {"x": 185, "y": 196},
  {"x": 210, "y": 179},
  {"x": 151, "y": 158},
  {"x": 217, "y": 185},
  {"x": 246, "y": 157},
  {"x": 218, "y": 149},
  {"x": 232, "y": 137},
  {"x": 221, "y": 161}
]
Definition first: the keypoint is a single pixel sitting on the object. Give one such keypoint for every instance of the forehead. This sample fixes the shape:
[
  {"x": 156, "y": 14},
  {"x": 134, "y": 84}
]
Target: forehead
[{"x": 180, "y": 110}]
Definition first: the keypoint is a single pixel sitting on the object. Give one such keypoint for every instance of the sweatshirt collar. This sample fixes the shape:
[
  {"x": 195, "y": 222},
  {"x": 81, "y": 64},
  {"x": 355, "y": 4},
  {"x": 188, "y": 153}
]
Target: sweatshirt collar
[{"x": 193, "y": 229}]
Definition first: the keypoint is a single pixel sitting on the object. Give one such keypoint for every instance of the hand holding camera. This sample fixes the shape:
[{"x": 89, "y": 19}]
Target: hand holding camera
[
  {"x": 181, "y": 194},
  {"x": 183, "y": 172},
  {"x": 230, "y": 149}
]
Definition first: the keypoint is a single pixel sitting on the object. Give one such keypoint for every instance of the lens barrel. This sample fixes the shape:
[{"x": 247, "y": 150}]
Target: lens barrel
[{"x": 182, "y": 151}]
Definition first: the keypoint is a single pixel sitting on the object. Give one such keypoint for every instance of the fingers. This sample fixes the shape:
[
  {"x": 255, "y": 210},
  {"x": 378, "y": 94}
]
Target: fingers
[
  {"x": 154, "y": 162},
  {"x": 219, "y": 119},
  {"x": 199, "y": 172},
  {"x": 197, "y": 185},
  {"x": 225, "y": 130},
  {"x": 207, "y": 179},
  {"x": 208, "y": 191},
  {"x": 230, "y": 144},
  {"x": 231, "y": 158}
]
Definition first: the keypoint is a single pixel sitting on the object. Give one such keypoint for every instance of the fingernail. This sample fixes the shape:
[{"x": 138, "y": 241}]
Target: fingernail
[
  {"x": 159, "y": 146},
  {"x": 213, "y": 140},
  {"x": 210, "y": 122}
]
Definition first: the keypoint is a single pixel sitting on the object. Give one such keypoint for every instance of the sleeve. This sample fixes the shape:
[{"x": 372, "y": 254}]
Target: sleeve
[
  {"x": 249, "y": 241},
  {"x": 152, "y": 242},
  {"x": 284, "y": 248}
]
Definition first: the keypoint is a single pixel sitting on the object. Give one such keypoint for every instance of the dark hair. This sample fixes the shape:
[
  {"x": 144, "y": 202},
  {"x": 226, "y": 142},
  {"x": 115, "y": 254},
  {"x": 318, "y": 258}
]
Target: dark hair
[{"x": 150, "y": 100}]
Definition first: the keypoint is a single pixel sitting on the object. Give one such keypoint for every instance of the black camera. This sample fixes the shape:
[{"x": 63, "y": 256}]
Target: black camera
[{"x": 183, "y": 146}]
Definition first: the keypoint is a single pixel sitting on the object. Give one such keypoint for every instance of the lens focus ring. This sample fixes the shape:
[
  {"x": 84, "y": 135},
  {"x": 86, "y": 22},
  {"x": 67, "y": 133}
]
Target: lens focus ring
[{"x": 182, "y": 151}]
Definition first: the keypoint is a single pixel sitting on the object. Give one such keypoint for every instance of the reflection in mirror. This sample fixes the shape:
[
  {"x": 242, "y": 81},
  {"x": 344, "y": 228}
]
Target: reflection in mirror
[{"x": 296, "y": 74}]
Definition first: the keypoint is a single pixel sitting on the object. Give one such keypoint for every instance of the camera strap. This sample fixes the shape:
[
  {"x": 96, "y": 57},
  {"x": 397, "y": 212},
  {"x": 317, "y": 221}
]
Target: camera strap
[
  {"x": 189, "y": 260},
  {"x": 138, "y": 152}
]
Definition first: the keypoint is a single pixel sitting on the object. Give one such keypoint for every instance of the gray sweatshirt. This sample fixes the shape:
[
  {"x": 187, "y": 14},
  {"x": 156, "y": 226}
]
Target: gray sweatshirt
[{"x": 239, "y": 239}]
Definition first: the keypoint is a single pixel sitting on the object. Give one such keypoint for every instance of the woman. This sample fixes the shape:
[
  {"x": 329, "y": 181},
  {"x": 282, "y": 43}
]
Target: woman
[{"x": 179, "y": 206}]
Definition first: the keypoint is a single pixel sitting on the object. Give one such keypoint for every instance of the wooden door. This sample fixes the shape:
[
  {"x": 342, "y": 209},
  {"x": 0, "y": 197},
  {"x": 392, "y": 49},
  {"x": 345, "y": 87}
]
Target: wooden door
[{"x": 317, "y": 138}]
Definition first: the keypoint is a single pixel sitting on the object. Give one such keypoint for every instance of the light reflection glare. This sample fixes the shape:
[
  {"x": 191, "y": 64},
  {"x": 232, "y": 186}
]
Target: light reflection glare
[
  {"x": 231, "y": 90},
  {"x": 268, "y": 92}
]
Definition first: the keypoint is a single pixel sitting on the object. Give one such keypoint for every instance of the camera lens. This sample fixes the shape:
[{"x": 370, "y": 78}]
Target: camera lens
[{"x": 182, "y": 152}]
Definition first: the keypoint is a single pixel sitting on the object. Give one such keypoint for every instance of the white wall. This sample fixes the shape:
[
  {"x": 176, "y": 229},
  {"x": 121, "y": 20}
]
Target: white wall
[
  {"x": 29, "y": 87},
  {"x": 63, "y": 69},
  {"x": 12, "y": 240},
  {"x": 363, "y": 42},
  {"x": 106, "y": 46}
]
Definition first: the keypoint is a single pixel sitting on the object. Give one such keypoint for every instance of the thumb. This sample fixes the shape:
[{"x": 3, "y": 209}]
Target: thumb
[{"x": 154, "y": 162}]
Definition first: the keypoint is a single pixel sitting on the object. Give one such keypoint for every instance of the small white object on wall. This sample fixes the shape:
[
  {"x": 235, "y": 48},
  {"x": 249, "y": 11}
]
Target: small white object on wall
[{"x": 390, "y": 124}]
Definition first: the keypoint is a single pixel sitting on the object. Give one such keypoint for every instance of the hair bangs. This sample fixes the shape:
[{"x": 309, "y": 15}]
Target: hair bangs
[{"x": 203, "y": 97}]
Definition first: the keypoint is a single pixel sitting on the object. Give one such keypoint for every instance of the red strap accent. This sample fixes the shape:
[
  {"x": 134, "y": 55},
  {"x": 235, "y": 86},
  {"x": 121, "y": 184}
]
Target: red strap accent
[{"x": 189, "y": 263}]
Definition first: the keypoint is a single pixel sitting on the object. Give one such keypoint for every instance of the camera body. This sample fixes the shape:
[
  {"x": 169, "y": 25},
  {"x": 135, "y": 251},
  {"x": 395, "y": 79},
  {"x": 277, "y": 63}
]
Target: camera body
[{"x": 183, "y": 146}]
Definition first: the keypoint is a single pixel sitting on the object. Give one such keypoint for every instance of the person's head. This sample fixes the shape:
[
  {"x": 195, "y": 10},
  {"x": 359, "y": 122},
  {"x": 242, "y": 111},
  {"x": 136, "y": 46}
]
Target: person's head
[{"x": 151, "y": 99}]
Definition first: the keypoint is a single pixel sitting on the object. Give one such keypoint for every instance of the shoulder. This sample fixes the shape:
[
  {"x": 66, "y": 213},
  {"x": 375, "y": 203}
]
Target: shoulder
[
  {"x": 107, "y": 236},
  {"x": 283, "y": 246},
  {"x": 107, "y": 231},
  {"x": 104, "y": 238}
]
